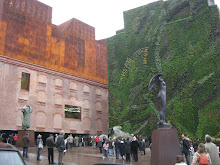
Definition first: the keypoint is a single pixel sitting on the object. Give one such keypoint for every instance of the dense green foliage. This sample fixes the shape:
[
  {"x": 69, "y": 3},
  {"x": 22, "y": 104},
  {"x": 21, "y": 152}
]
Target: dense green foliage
[{"x": 180, "y": 39}]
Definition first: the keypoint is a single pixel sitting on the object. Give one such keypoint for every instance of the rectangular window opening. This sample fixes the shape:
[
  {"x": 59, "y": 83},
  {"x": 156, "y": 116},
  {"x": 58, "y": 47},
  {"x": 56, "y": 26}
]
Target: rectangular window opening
[
  {"x": 73, "y": 112},
  {"x": 25, "y": 81}
]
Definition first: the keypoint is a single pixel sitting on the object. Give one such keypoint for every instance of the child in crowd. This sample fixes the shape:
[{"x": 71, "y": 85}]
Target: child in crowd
[{"x": 180, "y": 160}]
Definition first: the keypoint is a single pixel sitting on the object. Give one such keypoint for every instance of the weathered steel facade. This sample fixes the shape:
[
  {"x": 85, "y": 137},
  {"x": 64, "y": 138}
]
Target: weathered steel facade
[{"x": 65, "y": 64}]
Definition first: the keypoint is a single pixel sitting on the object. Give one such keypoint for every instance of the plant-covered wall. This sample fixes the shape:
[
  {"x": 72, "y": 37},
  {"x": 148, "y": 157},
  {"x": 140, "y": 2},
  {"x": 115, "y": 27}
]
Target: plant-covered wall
[{"x": 181, "y": 40}]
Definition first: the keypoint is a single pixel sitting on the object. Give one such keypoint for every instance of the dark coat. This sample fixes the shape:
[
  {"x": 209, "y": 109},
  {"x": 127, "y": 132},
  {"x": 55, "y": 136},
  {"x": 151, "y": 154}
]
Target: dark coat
[
  {"x": 122, "y": 148},
  {"x": 110, "y": 145},
  {"x": 100, "y": 144},
  {"x": 25, "y": 141},
  {"x": 186, "y": 146},
  {"x": 141, "y": 147},
  {"x": 134, "y": 146},
  {"x": 117, "y": 144},
  {"x": 195, "y": 145},
  {"x": 60, "y": 144},
  {"x": 128, "y": 147},
  {"x": 50, "y": 142}
]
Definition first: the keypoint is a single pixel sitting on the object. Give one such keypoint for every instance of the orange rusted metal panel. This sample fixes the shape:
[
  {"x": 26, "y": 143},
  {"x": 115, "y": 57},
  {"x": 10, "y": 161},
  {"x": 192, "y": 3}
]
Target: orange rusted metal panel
[{"x": 26, "y": 33}]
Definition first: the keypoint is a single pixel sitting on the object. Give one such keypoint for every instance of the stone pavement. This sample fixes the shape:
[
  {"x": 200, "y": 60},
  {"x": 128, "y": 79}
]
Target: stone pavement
[{"x": 82, "y": 156}]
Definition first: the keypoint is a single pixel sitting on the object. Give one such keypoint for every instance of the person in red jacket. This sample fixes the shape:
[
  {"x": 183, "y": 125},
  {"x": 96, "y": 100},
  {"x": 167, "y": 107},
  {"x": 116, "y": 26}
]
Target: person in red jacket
[
  {"x": 97, "y": 140},
  {"x": 15, "y": 138}
]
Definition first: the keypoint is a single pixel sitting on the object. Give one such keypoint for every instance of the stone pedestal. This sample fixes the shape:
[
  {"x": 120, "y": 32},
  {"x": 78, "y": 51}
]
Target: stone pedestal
[
  {"x": 165, "y": 147},
  {"x": 21, "y": 134}
]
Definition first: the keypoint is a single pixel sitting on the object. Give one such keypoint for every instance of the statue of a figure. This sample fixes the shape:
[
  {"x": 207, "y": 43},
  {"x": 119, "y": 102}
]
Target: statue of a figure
[
  {"x": 159, "y": 82},
  {"x": 27, "y": 110}
]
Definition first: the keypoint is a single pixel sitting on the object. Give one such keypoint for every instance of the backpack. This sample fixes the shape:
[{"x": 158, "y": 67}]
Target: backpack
[{"x": 203, "y": 160}]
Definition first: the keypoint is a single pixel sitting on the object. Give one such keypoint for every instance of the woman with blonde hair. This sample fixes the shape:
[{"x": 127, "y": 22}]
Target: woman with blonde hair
[{"x": 201, "y": 156}]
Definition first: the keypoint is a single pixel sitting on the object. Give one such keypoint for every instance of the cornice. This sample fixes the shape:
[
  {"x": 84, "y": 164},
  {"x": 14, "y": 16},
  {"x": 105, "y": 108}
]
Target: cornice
[{"x": 39, "y": 68}]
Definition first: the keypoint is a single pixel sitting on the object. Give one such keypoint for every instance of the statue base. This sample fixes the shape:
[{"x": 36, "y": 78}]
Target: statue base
[
  {"x": 165, "y": 147},
  {"x": 21, "y": 134},
  {"x": 163, "y": 125}
]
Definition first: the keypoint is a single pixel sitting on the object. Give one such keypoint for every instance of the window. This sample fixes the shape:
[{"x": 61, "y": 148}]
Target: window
[
  {"x": 73, "y": 112},
  {"x": 25, "y": 81}
]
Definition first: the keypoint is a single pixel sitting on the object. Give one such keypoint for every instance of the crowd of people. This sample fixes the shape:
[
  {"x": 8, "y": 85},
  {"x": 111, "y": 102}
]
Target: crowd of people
[
  {"x": 12, "y": 138},
  {"x": 193, "y": 152},
  {"x": 126, "y": 148},
  {"x": 197, "y": 153}
]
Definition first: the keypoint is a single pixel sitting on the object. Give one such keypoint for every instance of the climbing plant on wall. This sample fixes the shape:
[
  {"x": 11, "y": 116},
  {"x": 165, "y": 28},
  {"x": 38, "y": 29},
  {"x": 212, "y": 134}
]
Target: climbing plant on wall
[{"x": 179, "y": 38}]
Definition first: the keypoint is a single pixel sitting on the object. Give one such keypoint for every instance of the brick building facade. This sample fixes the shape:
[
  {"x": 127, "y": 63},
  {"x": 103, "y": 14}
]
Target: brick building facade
[{"x": 60, "y": 71}]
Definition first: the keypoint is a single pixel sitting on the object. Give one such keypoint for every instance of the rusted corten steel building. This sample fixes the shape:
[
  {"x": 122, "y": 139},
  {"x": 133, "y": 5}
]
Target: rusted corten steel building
[{"x": 60, "y": 71}]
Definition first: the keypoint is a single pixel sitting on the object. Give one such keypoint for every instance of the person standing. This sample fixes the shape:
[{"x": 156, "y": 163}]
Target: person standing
[
  {"x": 70, "y": 141},
  {"x": 77, "y": 141},
  {"x": 15, "y": 138},
  {"x": 128, "y": 150},
  {"x": 134, "y": 149},
  {"x": 80, "y": 141},
  {"x": 60, "y": 144},
  {"x": 144, "y": 146},
  {"x": 97, "y": 140},
  {"x": 25, "y": 141},
  {"x": 212, "y": 150},
  {"x": 110, "y": 149},
  {"x": 100, "y": 145},
  {"x": 196, "y": 144},
  {"x": 117, "y": 144},
  {"x": 39, "y": 146},
  {"x": 105, "y": 148},
  {"x": 141, "y": 147},
  {"x": 149, "y": 140},
  {"x": 93, "y": 142},
  {"x": 186, "y": 148},
  {"x": 122, "y": 148},
  {"x": 56, "y": 136},
  {"x": 11, "y": 139},
  {"x": 202, "y": 155},
  {"x": 50, "y": 145},
  {"x": 83, "y": 141}
]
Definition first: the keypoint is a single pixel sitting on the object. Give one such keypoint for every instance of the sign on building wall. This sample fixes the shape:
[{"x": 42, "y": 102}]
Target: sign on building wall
[{"x": 72, "y": 112}]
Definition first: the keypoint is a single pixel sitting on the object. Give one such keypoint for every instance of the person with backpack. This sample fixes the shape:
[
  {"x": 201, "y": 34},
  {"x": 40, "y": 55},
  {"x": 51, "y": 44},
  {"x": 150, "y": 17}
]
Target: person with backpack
[{"x": 201, "y": 157}]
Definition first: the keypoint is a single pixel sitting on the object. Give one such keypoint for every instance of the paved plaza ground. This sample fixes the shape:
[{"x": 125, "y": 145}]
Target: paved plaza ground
[{"x": 82, "y": 156}]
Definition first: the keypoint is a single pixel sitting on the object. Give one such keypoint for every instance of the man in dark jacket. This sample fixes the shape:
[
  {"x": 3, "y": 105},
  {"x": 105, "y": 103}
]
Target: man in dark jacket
[
  {"x": 134, "y": 149},
  {"x": 60, "y": 144},
  {"x": 186, "y": 147},
  {"x": 11, "y": 139},
  {"x": 50, "y": 144},
  {"x": 110, "y": 148},
  {"x": 117, "y": 144},
  {"x": 25, "y": 141},
  {"x": 128, "y": 149}
]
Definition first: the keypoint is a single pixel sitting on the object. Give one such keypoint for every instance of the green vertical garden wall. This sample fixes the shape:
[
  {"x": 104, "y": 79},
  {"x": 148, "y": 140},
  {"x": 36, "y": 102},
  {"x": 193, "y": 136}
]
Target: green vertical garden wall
[{"x": 180, "y": 39}]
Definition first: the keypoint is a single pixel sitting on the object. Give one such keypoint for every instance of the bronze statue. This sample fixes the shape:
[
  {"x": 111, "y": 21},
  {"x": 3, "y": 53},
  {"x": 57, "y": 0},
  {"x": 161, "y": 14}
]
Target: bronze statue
[
  {"x": 159, "y": 82},
  {"x": 27, "y": 110}
]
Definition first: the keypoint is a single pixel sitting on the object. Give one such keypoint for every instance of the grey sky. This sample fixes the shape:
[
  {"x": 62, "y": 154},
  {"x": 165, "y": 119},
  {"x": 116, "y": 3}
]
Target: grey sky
[{"x": 105, "y": 15}]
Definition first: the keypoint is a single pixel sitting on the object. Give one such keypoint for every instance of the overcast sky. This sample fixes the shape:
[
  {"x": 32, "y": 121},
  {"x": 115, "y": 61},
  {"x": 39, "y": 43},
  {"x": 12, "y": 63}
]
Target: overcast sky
[{"x": 105, "y": 15}]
